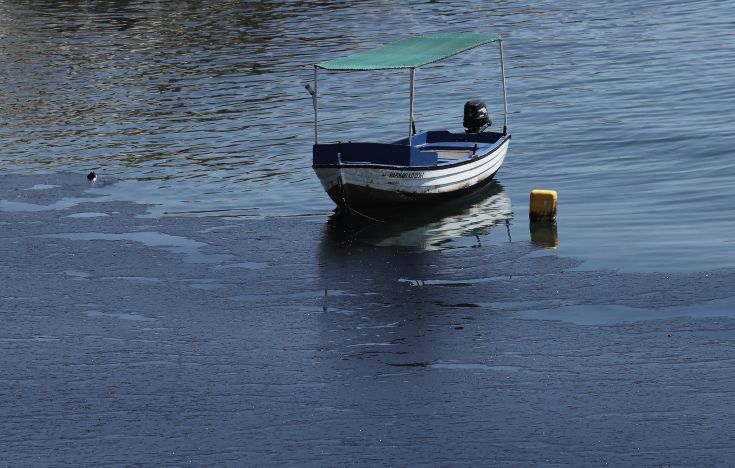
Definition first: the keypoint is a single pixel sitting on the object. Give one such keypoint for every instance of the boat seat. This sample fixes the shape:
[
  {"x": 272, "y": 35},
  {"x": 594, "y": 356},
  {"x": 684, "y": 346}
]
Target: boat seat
[
  {"x": 448, "y": 145},
  {"x": 454, "y": 155}
]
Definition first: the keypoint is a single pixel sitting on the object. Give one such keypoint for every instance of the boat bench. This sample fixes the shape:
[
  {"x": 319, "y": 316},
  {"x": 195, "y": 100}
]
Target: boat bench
[{"x": 372, "y": 153}]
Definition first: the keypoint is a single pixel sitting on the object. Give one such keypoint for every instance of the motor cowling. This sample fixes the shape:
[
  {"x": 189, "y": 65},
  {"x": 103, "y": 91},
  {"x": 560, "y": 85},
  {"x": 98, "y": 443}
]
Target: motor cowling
[{"x": 476, "y": 118}]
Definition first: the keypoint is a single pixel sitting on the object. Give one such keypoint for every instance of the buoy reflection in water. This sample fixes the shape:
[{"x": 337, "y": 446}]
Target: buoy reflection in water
[{"x": 543, "y": 234}]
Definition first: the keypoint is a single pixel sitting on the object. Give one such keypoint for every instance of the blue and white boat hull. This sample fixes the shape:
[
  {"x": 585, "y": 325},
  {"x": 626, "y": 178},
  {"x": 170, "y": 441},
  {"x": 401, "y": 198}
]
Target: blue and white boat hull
[{"x": 375, "y": 186}]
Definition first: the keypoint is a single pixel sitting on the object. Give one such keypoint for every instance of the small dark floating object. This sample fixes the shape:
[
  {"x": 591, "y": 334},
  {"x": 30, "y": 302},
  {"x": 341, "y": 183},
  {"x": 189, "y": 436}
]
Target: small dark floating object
[{"x": 91, "y": 176}]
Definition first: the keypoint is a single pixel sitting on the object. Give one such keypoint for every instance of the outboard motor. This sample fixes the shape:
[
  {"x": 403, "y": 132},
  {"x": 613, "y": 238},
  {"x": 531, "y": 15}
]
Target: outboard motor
[{"x": 476, "y": 118}]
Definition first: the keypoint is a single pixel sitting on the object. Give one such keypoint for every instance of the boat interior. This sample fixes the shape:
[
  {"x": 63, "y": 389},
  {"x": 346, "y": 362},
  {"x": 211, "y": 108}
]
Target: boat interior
[{"x": 432, "y": 148}]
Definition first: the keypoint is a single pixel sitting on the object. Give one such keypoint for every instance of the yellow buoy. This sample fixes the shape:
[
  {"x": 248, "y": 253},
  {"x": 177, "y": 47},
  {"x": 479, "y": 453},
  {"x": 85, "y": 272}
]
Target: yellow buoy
[{"x": 543, "y": 205}]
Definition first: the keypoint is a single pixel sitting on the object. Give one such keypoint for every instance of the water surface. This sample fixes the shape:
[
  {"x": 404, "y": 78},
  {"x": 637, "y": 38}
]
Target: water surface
[
  {"x": 198, "y": 108},
  {"x": 257, "y": 329}
]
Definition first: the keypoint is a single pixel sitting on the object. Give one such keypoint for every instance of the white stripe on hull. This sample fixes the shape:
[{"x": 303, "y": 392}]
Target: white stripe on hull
[{"x": 415, "y": 181}]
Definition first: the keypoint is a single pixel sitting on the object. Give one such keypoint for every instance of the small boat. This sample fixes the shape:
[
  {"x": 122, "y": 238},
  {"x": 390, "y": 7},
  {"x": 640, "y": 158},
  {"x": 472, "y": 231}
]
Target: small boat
[{"x": 423, "y": 167}]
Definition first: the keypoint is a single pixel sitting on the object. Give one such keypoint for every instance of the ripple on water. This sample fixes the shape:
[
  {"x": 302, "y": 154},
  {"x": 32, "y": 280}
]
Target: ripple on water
[
  {"x": 244, "y": 265},
  {"x": 42, "y": 187},
  {"x": 190, "y": 249},
  {"x": 63, "y": 204},
  {"x": 119, "y": 315},
  {"x": 611, "y": 314},
  {"x": 87, "y": 214}
]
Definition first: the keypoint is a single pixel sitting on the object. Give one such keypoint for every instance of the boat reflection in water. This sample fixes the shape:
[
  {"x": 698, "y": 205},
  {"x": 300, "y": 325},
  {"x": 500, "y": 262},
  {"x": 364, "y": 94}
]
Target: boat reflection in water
[{"x": 429, "y": 227}]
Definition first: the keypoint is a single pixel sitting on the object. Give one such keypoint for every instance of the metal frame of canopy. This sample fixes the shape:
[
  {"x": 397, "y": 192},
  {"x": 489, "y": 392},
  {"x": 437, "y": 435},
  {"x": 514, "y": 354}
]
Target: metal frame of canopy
[{"x": 352, "y": 63}]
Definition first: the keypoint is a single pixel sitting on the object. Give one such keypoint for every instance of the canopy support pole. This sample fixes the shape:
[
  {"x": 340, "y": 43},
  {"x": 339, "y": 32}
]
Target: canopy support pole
[
  {"x": 505, "y": 95},
  {"x": 410, "y": 107},
  {"x": 316, "y": 112}
]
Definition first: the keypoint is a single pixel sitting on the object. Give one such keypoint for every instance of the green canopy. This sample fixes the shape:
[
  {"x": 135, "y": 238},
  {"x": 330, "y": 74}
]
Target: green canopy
[{"x": 411, "y": 52}]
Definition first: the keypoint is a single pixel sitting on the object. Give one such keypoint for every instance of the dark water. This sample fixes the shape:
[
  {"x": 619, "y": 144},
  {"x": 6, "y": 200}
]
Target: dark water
[
  {"x": 198, "y": 108},
  {"x": 210, "y": 341},
  {"x": 254, "y": 330}
]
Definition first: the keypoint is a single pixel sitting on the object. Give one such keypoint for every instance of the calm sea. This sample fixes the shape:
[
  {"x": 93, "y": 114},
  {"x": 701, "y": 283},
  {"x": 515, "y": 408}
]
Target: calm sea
[{"x": 198, "y": 108}]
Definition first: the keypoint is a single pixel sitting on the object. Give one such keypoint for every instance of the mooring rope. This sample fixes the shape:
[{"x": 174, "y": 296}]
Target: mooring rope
[{"x": 344, "y": 203}]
